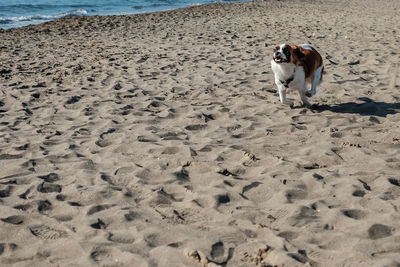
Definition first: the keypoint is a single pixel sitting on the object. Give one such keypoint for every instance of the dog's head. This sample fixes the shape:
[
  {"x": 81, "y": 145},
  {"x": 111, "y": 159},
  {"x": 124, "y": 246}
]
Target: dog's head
[{"x": 285, "y": 53}]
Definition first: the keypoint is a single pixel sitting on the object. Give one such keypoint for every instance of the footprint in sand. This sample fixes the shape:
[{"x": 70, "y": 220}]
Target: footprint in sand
[
  {"x": 99, "y": 224},
  {"x": 50, "y": 178},
  {"x": 354, "y": 214},
  {"x": 97, "y": 208},
  {"x": 101, "y": 254},
  {"x": 46, "y": 187},
  {"x": 303, "y": 217},
  {"x": 289, "y": 235},
  {"x": 44, "y": 206},
  {"x": 394, "y": 181},
  {"x": 130, "y": 216},
  {"x": 377, "y": 231},
  {"x": 220, "y": 254},
  {"x": 196, "y": 127},
  {"x": 123, "y": 237},
  {"x": 5, "y": 192},
  {"x": 250, "y": 186},
  {"x": 302, "y": 257},
  {"x": 223, "y": 199},
  {"x": 358, "y": 193},
  {"x": 295, "y": 194},
  {"x": 14, "y": 219},
  {"x": 23, "y": 207},
  {"x": 47, "y": 232},
  {"x": 4, "y": 247}
]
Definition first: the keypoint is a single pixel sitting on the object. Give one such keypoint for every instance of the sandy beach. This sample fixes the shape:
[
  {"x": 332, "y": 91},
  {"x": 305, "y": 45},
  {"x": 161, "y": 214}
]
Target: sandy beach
[{"x": 159, "y": 139}]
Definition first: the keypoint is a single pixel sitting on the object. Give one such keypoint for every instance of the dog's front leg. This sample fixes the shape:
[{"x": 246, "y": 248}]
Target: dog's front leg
[{"x": 282, "y": 93}]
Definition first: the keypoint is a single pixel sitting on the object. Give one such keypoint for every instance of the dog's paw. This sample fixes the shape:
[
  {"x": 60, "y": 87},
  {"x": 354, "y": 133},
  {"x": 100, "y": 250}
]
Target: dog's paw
[{"x": 306, "y": 104}]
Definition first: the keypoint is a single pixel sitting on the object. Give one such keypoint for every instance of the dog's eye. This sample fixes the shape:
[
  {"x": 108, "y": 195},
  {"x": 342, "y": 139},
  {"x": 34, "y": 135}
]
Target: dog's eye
[{"x": 277, "y": 48}]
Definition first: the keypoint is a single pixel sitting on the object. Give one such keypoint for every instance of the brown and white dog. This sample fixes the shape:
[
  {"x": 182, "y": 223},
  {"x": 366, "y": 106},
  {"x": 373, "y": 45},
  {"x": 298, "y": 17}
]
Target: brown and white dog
[{"x": 293, "y": 67}]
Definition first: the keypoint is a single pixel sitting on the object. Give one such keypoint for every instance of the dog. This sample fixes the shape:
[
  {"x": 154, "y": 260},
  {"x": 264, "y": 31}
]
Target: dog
[{"x": 295, "y": 66}]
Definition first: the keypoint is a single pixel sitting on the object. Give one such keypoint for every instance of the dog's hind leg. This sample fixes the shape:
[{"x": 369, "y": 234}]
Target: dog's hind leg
[
  {"x": 316, "y": 81},
  {"x": 302, "y": 92}
]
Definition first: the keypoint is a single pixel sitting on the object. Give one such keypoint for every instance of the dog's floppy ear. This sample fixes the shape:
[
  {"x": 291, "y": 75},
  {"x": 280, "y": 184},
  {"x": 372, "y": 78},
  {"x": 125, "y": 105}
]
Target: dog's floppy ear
[{"x": 298, "y": 53}]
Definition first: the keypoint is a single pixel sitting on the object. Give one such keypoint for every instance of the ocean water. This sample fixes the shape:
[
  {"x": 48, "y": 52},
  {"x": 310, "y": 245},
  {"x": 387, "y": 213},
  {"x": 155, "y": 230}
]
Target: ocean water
[{"x": 18, "y": 13}]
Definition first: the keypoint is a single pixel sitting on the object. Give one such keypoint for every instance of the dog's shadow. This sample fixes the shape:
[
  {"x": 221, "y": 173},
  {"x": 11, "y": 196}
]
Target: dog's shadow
[{"x": 368, "y": 108}]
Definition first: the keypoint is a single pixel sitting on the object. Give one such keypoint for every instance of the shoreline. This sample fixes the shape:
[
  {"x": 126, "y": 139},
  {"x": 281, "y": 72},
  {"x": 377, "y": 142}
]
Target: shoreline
[
  {"x": 158, "y": 139},
  {"x": 72, "y": 13}
]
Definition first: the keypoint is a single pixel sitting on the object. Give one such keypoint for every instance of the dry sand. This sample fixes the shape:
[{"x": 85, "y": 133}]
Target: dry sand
[{"x": 159, "y": 139}]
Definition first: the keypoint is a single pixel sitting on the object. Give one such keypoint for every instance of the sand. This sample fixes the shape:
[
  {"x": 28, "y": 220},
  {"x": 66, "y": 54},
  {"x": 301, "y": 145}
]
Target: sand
[{"x": 159, "y": 139}]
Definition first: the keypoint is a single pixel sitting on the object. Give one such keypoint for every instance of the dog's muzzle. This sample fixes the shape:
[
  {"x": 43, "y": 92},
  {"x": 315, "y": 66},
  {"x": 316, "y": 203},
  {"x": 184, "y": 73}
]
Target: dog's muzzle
[{"x": 278, "y": 58}]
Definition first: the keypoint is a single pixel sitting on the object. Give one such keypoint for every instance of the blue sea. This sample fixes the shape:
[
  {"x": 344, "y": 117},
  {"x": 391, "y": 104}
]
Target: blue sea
[{"x": 18, "y": 13}]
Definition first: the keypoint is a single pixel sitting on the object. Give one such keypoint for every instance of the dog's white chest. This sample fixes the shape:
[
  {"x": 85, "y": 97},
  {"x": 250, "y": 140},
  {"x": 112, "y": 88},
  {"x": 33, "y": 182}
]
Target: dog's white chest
[{"x": 283, "y": 71}]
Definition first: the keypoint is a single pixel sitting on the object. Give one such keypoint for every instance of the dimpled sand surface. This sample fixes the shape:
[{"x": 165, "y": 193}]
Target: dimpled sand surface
[{"x": 159, "y": 139}]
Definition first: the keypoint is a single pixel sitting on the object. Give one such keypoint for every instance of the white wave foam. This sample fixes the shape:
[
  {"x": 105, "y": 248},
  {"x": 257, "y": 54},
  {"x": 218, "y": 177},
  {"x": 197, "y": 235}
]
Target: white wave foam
[{"x": 69, "y": 14}]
